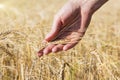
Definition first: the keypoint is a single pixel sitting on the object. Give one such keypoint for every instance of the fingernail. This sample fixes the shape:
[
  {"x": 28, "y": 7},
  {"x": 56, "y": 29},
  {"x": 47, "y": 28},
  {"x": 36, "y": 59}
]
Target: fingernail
[
  {"x": 45, "y": 52},
  {"x": 44, "y": 41},
  {"x": 54, "y": 50},
  {"x": 65, "y": 49},
  {"x": 40, "y": 54}
]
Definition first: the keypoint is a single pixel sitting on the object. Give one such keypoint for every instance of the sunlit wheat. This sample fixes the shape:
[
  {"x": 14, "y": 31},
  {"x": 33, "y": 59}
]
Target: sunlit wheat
[{"x": 23, "y": 26}]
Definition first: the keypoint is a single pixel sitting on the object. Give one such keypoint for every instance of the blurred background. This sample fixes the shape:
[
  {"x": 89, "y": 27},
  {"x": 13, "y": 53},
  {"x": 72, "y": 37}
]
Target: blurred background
[{"x": 23, "y": 26}]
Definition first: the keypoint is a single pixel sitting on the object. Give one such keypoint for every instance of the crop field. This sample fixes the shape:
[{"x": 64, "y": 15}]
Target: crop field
[{"x": 23, "y": 26}]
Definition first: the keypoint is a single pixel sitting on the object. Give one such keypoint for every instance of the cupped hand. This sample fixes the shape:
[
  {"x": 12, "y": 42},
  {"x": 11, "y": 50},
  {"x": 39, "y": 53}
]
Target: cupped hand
[{"x": 69, "y": 24}]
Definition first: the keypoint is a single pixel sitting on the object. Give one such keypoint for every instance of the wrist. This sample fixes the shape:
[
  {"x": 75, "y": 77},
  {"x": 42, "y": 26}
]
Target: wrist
[
  {"x": 92, "y": 5},
  {"x": 77, "y": 2}
]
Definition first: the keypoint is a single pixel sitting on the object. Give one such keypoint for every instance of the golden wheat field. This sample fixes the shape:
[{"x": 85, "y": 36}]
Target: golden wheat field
[{"x": 23, "y": 26}]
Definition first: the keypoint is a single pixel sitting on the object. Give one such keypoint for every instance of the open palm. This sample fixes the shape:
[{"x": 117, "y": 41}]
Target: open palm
[{"x": 69, "y": 24}]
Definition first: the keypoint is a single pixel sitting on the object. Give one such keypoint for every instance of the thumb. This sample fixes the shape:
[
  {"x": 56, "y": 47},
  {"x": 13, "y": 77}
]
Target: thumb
[{"x": 55, "y": 29}]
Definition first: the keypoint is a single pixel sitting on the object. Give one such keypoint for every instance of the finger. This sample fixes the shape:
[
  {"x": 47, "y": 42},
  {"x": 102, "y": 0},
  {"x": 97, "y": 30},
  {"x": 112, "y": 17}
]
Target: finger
[
  {"x": 48, "y": 49},
  {"x": 57, "y": 48},
  {"x": 69, "y": 46},
  {"x": 40, "y": 53},
  {"x": 57, "y": 24}
]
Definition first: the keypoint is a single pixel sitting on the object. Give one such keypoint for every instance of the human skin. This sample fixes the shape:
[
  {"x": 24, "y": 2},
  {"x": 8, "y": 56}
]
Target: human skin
[{"x": 76, "y": 14}]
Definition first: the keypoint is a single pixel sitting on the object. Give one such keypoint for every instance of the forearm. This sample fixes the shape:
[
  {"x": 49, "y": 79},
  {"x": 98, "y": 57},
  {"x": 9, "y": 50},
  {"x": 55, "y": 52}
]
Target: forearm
[
  {"x": 91, "y": 5},
  {"x": 84, "y": 1}
]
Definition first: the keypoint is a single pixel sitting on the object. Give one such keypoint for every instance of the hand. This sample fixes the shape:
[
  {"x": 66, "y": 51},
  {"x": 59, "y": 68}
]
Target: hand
[{"x": 70, "y": 24}]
